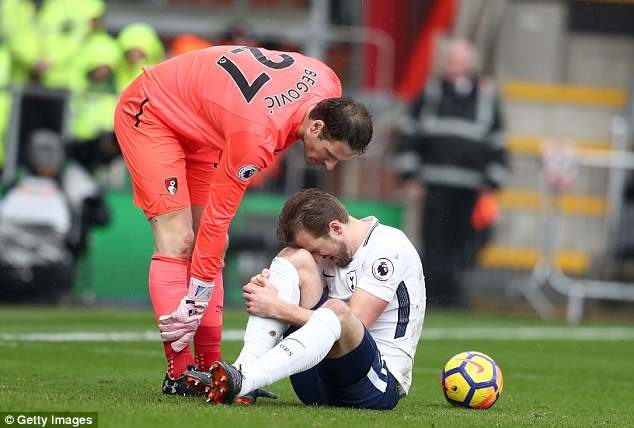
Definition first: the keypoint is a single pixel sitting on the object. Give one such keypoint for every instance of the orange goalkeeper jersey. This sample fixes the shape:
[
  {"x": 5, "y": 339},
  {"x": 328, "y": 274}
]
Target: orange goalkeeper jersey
[{"x": 246, "y": 102}]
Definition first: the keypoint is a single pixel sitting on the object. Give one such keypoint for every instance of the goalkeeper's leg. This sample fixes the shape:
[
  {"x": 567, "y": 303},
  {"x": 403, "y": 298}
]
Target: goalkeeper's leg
[
  {"x": 168, "y": 284},
  {"x": 153, "y": 153}
]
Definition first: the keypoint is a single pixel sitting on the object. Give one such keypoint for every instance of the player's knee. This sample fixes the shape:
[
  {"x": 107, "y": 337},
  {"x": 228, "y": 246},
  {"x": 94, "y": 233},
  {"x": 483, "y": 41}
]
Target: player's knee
[
  {"x": 184, "y": 243},
  {"x": 299, "y": 257},
  {"x": 340, "y": 308}
]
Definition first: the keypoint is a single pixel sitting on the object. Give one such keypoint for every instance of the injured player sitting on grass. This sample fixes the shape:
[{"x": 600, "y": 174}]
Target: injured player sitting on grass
[{"x": 348, "y": 297}]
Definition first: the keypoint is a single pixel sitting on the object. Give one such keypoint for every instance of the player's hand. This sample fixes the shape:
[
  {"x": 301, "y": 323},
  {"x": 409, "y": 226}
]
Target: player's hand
[
  {"x": 261, "y": 278},
  {"x": 180, "y": 326},
  {"x": 260, "y": 296}
]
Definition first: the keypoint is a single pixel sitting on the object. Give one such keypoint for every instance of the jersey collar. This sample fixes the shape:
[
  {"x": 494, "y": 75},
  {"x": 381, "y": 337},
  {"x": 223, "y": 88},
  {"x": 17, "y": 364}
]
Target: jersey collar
[{"x": 374, "y": 222}]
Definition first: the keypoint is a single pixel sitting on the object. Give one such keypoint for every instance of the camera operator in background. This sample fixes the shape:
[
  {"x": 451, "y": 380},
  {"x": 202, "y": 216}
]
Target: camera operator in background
[{"x": 45, "y": 218}]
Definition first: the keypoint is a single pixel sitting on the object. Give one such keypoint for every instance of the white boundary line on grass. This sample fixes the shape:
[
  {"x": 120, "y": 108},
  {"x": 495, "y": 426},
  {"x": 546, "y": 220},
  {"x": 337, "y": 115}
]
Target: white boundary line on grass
[{"x": 433, "y": 333}]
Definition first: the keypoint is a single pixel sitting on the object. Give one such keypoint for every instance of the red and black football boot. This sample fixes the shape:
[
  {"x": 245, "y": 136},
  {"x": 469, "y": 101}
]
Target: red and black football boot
[{"x": 179, "y": 386}]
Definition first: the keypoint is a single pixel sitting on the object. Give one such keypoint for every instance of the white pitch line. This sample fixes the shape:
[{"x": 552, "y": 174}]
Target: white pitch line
[
  {"x": 457, "y": 333},
  {"x": 530, "y": 333}
]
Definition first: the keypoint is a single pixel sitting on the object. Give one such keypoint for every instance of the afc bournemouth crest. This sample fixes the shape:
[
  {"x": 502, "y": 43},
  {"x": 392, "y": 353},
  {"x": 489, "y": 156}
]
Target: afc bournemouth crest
[
  {"x": 351, "y": 279},
  {"x": 247, "y": 171},
  {"x": 171, "y": 184},
  {"x": 382, "y": 269}
]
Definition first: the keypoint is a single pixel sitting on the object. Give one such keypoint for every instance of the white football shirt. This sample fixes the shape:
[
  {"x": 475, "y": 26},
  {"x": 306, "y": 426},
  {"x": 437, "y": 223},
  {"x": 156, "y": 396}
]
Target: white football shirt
[{"x": 387, "y": 266}]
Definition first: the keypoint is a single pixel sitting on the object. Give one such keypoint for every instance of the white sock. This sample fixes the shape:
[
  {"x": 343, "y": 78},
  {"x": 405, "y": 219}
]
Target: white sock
[
  {"x": 262, "y": 334},
  {"x": 298, "y": 352}
]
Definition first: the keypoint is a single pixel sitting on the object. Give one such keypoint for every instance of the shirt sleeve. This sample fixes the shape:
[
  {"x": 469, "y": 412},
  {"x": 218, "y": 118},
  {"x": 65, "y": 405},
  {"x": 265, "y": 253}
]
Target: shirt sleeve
[
  {"x": 245, "y": 154},
  {"x": 382, "y": 272}
]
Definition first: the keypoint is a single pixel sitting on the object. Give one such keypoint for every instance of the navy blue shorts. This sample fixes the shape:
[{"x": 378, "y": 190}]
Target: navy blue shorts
[{"x": 359, "y": 379}]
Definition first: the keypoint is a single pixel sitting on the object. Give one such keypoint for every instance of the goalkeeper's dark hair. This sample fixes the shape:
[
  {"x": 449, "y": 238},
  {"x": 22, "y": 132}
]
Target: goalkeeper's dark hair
[
  {"x": 310, "y": 210},
  {"x": 344, "y": 120}
]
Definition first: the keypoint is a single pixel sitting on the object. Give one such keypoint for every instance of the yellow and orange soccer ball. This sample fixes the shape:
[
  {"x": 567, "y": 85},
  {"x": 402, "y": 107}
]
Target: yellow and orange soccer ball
[{"x": 472, "y": 379}]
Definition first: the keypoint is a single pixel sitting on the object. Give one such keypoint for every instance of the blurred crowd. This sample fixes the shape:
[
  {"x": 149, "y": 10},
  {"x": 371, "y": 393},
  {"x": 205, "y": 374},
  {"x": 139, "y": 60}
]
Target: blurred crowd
[
  {"x": 62, "y": 45},
  {"x": 52, "y": 50}
]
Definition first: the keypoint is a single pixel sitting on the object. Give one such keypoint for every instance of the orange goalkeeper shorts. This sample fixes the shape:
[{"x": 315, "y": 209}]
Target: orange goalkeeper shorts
[{"x": 167, "y": 172}]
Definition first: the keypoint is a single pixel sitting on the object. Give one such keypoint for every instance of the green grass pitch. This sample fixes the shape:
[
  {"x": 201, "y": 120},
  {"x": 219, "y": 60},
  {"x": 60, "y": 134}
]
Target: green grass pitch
[{"x": 548, "y": 381}]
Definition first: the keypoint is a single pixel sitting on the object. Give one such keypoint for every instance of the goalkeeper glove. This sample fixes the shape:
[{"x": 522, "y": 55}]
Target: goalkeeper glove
[{"x": 180, "y": 326}]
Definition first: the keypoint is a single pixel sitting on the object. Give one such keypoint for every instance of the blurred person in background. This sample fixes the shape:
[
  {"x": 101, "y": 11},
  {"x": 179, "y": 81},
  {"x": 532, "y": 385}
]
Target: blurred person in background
[
  {"x": 452, "y": 144},
  {"x": 45, "y": 218},
  {"x": 94, "y": 101},
  {"x": 18, "y": 26},
  {"x": 64, "y": 26},
  {"x": 94, "y": 11},
  {"x": 194, "y": 130},
  {"x": 187, "y": 43},
  {"x": 141, "y": 46},
  {"x": 45, "y": 36}
]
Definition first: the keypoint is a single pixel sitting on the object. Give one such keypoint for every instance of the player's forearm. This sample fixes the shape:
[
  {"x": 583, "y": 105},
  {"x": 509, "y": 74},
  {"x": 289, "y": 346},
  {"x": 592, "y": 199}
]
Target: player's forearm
[
  {"x": 207, "y": 258},
  {"x": 291, "y": 313},
  {"x": 366, "y": 307}
]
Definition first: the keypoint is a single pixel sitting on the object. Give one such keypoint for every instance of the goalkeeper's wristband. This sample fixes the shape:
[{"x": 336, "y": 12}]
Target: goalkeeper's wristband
[{"x": 199, "y": 291}]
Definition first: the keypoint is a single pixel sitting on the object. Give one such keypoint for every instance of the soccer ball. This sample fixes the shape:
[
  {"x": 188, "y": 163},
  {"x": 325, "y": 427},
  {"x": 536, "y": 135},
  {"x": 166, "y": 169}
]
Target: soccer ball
[{"x": 472, "y": 379}]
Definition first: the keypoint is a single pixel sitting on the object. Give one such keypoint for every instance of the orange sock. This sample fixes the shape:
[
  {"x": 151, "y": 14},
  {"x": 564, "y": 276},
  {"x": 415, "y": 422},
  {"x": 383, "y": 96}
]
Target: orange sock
[
  {"x": 168, "y": 284},
  {"x": 208, "y": 336}
]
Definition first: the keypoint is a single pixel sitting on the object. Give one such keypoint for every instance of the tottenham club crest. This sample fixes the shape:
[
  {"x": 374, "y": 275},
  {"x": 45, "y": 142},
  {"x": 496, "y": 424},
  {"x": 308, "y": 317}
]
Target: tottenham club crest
[
  {"x": 351, "y": 279},
  {"x": 247, "y": 171},
  {"x": 382, "y": 269},
  {"x": 171, "y": 184}
]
